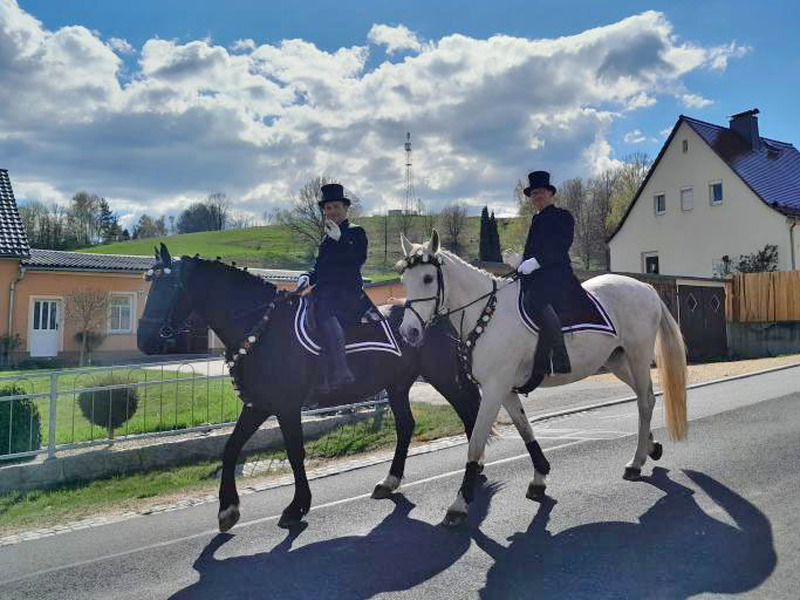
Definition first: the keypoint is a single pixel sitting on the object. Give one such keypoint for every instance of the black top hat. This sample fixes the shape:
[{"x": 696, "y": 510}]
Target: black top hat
[
  {"x": 538, "y": 179},
  {"x": 333, "y": 192}
]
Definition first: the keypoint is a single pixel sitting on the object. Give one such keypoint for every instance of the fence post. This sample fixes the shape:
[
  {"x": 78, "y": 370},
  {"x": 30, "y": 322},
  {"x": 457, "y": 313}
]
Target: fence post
[{"x": 51, "y": 434}]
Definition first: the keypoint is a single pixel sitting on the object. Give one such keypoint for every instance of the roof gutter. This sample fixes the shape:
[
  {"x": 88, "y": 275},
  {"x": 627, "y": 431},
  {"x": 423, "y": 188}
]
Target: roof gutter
[
  {"x": 793, "y": 224},
  {"x": 12, "y": 289}
]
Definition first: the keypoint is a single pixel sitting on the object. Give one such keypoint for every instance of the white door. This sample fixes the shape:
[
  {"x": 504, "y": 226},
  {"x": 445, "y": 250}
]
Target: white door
[{"x": 44, "y": 332}]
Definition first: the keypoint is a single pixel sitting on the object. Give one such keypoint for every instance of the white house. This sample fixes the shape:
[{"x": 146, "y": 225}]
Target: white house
[{"x": 713, "y": 194}]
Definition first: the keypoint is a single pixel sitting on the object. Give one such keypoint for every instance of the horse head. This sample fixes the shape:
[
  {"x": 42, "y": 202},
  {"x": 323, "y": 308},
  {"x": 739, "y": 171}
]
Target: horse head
[
  {"x": 421, "y": 274},
  {"x": 168, "y": 304}
]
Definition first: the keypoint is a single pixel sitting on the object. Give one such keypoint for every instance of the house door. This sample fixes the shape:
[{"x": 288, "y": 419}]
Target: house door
[
  {"x": 45, "y": 325},
  {"x": 702, "y": 311}
]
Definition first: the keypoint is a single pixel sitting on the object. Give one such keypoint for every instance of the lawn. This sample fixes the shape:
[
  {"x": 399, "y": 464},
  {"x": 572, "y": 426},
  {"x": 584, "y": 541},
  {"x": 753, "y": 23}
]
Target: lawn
[
  {"x": 273, "y": 246},
  {"x": 43, "y": 508}
]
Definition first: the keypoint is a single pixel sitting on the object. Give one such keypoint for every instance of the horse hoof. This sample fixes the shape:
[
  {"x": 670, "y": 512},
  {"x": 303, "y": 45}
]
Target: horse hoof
[
  {"x": 381, "y": 492},
  {"x": 657, "y": 451},
  {"x": 536, "y": 492},
  {"x": 454, "y": 518},
  {"x": 632, "y": 473},
  {"x": 228, "y": 518},
  {"x": 288, "y": 521}
]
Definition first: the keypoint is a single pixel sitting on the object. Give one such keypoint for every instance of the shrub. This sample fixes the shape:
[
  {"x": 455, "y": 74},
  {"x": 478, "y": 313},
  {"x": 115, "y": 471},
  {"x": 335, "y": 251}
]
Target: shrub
[
  {"x": 23, "y": 418},
  {"x": 109, "y": 408}
]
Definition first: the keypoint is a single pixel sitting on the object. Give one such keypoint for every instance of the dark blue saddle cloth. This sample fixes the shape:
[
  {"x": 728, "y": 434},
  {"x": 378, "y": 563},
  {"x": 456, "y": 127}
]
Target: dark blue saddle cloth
[
  {"x": 369, "y": 333},
  {"x": 577, "y": 313}
]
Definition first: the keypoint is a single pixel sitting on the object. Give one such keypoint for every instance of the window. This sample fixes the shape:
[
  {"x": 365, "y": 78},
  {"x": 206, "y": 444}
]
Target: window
[
  {"x": 687, "y": 199},
  {"x": 121, "y": 313},
  {"x": 685, "y": 146},
  {"x": 650, "y": 263},
  {"x": 715, "y": 192},
  {"x": 660, "y": 203}
]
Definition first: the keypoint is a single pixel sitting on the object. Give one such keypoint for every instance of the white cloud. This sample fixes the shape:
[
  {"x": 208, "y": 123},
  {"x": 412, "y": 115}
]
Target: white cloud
[
  {"x": 394, "y": 38},
  {"x": 121, "y": 45},
  {"x": 634, "y": 137},
  {"x": 695, "y": 101},
  {"x": 256, "y": 121}
]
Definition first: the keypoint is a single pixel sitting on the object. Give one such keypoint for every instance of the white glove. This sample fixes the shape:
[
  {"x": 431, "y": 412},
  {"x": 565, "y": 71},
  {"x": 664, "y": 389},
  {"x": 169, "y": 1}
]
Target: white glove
[
  {"x": 529, "y": 266},
  {"x": 512, "y": 258},
  {"x": 302, "y": 282},
  {"x": 332, "y": 230}
]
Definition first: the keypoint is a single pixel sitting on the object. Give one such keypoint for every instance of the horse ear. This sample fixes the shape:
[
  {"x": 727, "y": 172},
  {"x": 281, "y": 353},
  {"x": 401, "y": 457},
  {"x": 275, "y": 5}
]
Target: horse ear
[
  {"x": 433, "y": 245},
  {"x": 158, "y": 254},
  {"x": 405, "y": 244},
  {"x": 166, "y": 259}
]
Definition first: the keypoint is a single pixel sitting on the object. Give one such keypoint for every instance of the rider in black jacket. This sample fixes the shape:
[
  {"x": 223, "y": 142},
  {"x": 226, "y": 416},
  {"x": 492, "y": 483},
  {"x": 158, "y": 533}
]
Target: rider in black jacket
[
  {"x": 546, "y": 269},
  {"x": 338, "y": 284}
]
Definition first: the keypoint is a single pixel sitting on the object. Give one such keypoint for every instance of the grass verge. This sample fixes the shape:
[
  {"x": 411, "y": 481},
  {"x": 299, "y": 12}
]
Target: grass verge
[{"x": 36, "y": 509}]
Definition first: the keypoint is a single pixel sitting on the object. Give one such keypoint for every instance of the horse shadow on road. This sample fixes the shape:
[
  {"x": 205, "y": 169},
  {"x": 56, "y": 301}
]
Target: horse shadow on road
[
  {"x": 398, "y": 554},
  {"x": 675, "y": 551}
]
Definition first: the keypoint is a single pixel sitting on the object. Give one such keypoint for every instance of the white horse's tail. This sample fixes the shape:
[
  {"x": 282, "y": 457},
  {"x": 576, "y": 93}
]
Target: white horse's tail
[{"x": 671, "y": 360}]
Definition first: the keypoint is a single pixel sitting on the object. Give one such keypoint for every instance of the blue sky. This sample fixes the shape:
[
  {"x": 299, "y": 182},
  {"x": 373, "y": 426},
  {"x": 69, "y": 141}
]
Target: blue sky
[{"x": 489, "y": 91}]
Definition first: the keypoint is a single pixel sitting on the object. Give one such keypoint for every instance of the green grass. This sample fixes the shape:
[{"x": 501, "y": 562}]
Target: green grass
[
  {"x": 181, "y": 401},
  {"x": 273, "y": 246},
  {"x": 43, "y": 508}
]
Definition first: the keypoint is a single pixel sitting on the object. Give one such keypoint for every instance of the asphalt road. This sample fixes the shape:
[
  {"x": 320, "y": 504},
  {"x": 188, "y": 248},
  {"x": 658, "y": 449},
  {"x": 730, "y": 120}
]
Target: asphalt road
[{"x": 716, "y": 516}]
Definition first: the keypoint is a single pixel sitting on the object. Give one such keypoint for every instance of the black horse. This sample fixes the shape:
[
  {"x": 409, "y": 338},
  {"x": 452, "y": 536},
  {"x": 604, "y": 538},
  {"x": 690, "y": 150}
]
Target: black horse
[{"x": 275, "y": 375}]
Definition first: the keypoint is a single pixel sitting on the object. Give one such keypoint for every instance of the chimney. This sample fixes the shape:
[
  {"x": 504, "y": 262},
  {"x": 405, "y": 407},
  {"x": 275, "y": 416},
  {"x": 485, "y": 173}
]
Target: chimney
[{"x": 745, "y": 125}]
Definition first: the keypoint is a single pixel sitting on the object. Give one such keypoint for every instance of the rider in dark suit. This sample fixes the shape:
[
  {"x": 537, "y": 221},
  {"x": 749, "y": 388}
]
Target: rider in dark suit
[
  {"x": 338, "y": 284},
  {"x": 546, "y": 269}
]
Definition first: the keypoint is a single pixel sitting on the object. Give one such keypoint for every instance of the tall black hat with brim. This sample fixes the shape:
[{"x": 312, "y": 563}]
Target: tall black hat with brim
[
  {"x": 333, "y": 192},
  {"x": 538, "y": 179}
]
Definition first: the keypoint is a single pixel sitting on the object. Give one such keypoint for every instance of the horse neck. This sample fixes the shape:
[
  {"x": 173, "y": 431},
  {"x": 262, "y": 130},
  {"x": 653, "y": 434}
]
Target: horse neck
[
  {"x": 463, "y": 284},
  {"x": 219, "y": 298}
]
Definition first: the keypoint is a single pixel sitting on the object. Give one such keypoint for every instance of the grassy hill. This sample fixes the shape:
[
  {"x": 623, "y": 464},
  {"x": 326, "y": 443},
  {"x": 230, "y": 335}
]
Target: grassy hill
[{"x": 272, "y": 246}]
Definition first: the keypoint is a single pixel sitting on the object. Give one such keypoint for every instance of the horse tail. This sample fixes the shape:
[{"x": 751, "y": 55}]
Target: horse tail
[{"x": 671, "y": 360}]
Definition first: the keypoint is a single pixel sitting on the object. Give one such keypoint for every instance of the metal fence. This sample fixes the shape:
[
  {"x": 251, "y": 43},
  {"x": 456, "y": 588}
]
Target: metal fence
[{"x": 58, "y": 410}]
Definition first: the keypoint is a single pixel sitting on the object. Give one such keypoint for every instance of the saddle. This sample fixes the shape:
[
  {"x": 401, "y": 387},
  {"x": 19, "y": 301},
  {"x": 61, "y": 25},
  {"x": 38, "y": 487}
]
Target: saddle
[
  {"x": 581, "y": 312},
  {"x": 370, "y": 332}
]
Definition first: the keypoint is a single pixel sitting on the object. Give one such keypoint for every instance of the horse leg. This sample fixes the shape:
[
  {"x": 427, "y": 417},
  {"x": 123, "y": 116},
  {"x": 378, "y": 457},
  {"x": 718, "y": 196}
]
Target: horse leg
[
  {"x": 247, "y": 424},
  {"x": 404, "y": 428},
  {"x": 636, "y": 373},
  {"x": 292, "y": 431},
  {"x": 487, "y": 413},
  {"x": 541, "y": 466}
]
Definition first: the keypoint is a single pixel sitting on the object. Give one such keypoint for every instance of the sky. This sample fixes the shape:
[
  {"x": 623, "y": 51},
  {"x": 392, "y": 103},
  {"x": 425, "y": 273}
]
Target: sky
[{"x": 155, "y": 105}]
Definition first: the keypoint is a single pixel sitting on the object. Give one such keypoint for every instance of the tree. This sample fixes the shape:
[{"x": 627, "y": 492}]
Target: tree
[
  {"x": 84, "y": 218},
  {"x": 147, "y": 228},
  {"x": 629, "y": 178},
  {"x": 454, "y": 219},
  {"x": 218, "y": 210},
  {"x": 494, "y": 252},
  {"x": 110, "y": 231},
  {"x": 483, "y": 244},
  {"x": 765, "y": 260},
  {"x": 303, "y": 216},
  {"x": 88, "y": 309},
  {"x": 126, "y": 235},
  {"x": 524, "y": 206},
  {"x": 426, "y": 220}
]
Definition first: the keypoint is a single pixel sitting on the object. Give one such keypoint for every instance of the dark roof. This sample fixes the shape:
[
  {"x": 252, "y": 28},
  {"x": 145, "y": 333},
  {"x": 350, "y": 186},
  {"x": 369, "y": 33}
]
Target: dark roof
[
  {"x": 57, "y": 260},
  {"x": 13, "y": 239},
  {"x": 772, "y": 171}
]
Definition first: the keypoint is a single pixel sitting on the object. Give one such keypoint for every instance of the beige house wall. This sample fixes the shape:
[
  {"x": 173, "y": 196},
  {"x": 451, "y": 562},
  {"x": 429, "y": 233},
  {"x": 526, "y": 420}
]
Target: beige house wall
[
  {"x": 54, "y": 284},
  {"x": 687, "y": 242},
  {"x": 9, "y": 267}
]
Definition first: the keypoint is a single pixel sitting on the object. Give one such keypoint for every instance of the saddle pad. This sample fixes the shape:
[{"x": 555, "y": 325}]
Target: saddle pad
[
  {"x": 590, "y": 317},
  {"x": 363, "y": 337}
]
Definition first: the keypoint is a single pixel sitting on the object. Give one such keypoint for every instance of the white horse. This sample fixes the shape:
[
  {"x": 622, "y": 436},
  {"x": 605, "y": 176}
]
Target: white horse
[{"x": 483, "y": 309}]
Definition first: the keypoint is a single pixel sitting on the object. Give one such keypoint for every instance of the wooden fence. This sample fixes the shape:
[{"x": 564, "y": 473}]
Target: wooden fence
[{"x": 764, "y": 297}]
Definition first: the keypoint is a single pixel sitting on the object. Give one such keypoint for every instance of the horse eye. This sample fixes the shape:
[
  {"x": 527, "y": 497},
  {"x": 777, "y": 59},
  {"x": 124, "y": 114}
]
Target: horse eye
[{"x": 427, "y": 279}]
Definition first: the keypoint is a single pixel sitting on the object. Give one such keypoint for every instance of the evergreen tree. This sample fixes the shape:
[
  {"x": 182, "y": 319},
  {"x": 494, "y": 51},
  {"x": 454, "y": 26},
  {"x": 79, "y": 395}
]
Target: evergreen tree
[
  {"x": 485, "y": 236},
  {"x": 493, "y": 251}
]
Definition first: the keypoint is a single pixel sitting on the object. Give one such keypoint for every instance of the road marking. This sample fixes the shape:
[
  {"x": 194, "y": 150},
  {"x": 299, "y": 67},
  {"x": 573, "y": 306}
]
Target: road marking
[{"x": 260, "y": 520}]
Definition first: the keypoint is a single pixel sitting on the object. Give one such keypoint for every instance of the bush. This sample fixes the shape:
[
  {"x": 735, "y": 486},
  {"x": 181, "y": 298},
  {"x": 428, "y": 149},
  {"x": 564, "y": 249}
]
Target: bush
[
  {"x": 25, "y": 423},
  {"x": 109, "y": 408}
]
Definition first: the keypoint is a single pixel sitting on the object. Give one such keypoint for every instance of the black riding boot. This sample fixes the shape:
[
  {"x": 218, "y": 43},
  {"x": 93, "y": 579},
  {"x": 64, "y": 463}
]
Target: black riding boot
[
  {"x": 335, "y": 363},
  {"x": 551, "y": 329}
]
